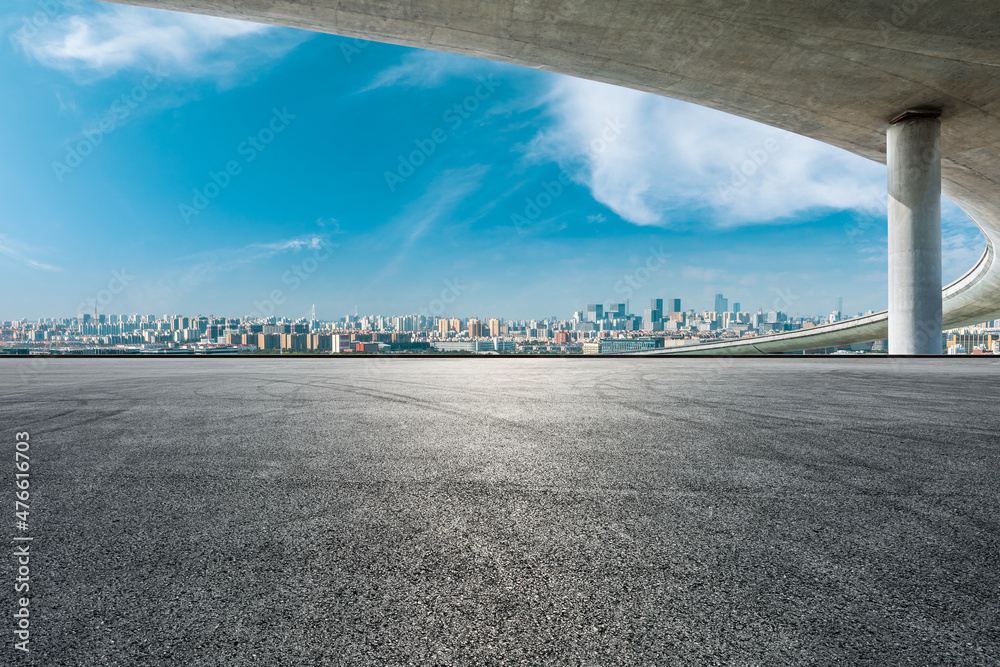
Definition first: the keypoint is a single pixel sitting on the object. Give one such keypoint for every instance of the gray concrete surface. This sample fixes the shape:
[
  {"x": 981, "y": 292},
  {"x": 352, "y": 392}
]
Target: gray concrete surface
[
  {"x": 914, "y": 166},
  {"x": 509, "y": 511},
  {"x": 836, "y": 71}
]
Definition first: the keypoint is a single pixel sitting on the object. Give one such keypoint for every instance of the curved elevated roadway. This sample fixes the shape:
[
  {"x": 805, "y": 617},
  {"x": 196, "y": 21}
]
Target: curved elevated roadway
[{"x": 834, "y": 70}]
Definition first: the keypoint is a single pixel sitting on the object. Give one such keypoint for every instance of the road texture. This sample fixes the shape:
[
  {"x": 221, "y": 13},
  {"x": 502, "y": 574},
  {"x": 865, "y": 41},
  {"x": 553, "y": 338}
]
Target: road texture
[{"x": 507, "y": 511}]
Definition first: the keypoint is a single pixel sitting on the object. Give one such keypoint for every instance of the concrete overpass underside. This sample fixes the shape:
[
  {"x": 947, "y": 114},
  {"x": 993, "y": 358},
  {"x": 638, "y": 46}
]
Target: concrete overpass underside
[{"x": 834, "y": 70}]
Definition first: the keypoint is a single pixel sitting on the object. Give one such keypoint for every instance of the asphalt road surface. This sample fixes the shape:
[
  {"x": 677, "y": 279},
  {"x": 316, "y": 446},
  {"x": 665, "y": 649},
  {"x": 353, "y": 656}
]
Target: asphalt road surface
[{"x": 505, "y": 511}]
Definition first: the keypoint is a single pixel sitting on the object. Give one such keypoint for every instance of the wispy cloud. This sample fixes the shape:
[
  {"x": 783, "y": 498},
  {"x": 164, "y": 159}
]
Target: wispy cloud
[
  {"x": 962, "y": 243},
  {"x": 332, "y": 225},
  {"x": 203, "y": 271},
  {"x": 223, "y": 260},
  {"x": 434, "y": 207},
  {"x": 18, "y": 251},
  {"x": 656, "y": 161},
  {"x": 100, "y": 41},
  {"x": 426, "y": 69}
]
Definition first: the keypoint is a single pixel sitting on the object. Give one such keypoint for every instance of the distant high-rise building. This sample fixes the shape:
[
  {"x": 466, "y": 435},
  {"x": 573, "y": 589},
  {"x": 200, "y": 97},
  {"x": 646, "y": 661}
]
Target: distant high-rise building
[
  {"x": 721, "y": 304},
  {"x": 269, "y": 341},
  {"x": 736, "y": 307},
  {"x": 616, "y": 311},
  {"x": 595, "y": 312},
  {"x": 494, "y": 327},
  {"x": 652, "y": 319},
  {"x": 674, "y": 306},
  {"x": 443, "y": 326},
  {"x": 475, "y": 328},
  {"x": 455, "y": 325}
]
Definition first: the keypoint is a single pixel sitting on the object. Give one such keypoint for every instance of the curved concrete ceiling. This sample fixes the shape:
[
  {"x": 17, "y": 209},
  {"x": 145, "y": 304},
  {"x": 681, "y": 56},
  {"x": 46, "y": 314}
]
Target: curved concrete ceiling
[{"x": 833, "y": 70}]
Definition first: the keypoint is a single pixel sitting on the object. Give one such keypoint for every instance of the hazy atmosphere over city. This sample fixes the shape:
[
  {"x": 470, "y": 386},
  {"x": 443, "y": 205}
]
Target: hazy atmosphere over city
[{"x": 206, "y": 160}]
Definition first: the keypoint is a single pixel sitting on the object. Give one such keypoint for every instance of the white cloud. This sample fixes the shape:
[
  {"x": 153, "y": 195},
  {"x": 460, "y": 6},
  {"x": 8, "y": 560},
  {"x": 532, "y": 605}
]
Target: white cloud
[
  {"x": 425, "y": 69},
  {"x": 654, "y": 160},
  {"x": 962, "y": 244},
  {"x": 436, "y": 205},
  {"x": 17, "y": 250},
  {"x": 332, "y": 225},
  {"x": 222, "y": 260},
  {"x": 105, "y": 40}
]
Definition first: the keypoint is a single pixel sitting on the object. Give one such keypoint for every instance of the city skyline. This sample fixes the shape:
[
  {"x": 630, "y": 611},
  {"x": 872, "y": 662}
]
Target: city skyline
[
  {"x": 596, "y": 329},
  {"x": 666, "y": 305}
]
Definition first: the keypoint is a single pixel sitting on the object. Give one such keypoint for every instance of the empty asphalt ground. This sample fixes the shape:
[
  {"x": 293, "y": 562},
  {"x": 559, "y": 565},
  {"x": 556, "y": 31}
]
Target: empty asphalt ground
[{"x": 517, "y": 511}]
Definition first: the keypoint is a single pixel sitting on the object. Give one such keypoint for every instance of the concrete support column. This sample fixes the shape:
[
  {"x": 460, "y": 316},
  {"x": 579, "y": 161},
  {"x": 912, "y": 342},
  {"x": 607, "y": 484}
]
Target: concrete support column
[{"x": 914, "y": 160}]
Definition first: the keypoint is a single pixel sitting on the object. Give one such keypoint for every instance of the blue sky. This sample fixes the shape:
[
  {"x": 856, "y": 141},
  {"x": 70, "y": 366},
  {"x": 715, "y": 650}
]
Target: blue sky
[{"x": 187, "y": 164}]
